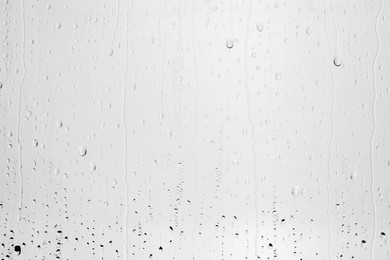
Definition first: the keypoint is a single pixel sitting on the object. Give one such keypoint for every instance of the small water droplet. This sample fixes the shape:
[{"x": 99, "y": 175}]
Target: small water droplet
[
  {"x": 58, "y": 26},
  {"x": 353, "y": 176},
  {"x": 229, "y": 43},
  {"x": 337, "y": 61},
  {"x": 34, "y": 143},
  {"x": 110, "y": 51},
  {"x": 59, "y": 124},
  {"x": 260, "y": 27},
  {"x": 295, "y": 191},
  {"x": 83, "y": 151},
  {"x": 278, "y": 76}
]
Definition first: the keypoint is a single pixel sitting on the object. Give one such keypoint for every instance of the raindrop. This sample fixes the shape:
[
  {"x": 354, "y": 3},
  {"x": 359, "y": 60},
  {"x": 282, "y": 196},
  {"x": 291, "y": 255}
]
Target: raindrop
[
  {"x": 18, "y": 249},
  {"x": 260, "y": 27},
  {"x": 278, "y": 76},
  {"x": 337, "y": 61},
  {"x": 353, "y": 176},
  {"x": 295, "y": 191},
  {"x": 83, "y": 151},
  {"x": 59, "y": 124},
  {"x": 229, "y": 43},
  {"x": 58, "y": 26},
  {"x": 35, "y": 143},
  {"x": 111, "y": 52}
]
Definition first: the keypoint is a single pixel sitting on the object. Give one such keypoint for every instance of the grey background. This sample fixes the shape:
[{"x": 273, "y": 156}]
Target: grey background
[{"x": 195, "y": 129}]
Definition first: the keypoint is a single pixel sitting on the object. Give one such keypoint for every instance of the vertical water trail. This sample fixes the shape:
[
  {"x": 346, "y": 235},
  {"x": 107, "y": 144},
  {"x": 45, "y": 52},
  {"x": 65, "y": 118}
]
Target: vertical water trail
[
  {"x": 106, "y": 189},
  {"x": 125, "y": 217},
  {"x": 116, "y": 24},
  {"x": 231, "y": 21},
  {"x": 329, "y": 166},
  {"x": 374, "y": 130},
  {"x": 18, "y": 125},
  {"x": 330, "y": 144},
  {"x": 251, "y": 126},
  {"x": 195, "y": 137},
  {"x": 162, "y": 79},
  {"x": 331, "y": 128}
]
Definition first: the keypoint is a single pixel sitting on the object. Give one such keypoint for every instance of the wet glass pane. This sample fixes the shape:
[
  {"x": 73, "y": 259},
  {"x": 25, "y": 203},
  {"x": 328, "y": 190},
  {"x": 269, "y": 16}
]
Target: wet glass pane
[{"x": 195, "y": 130}]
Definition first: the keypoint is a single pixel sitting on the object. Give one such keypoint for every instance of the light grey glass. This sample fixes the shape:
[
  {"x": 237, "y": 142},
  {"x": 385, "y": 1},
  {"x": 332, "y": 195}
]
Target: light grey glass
[{"x": 195, "y": 130}]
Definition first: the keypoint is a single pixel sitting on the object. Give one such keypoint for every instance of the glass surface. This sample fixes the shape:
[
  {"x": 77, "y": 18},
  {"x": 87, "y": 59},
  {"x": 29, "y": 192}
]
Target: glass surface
[{"x": 195, "y": 130}]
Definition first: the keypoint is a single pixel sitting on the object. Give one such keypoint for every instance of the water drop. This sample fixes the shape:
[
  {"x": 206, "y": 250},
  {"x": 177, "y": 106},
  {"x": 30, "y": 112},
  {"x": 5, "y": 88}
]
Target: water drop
[
  {"x": 18, "y": 249},
  {"x": 295, "y": 191},
  {"x": 353, "y": 176},
  {"x": 58, "y": 26},
  {"x": 35, "y": 143},
  {"x": 260, "y": 27},
  {"x": 229, "y": 43},
  {"x": 337, "y": 61},
  {"x": 110, "y": 51},
  {"x": 83, "y": 151},
  {"x": 278, "y": 76},
  {"x": 59, "y": 124}
]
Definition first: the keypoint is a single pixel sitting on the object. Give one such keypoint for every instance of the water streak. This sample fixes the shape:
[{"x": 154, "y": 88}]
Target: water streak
[
  {"x": 252, "y": 130},
  {"x": 374, "y": 131},
  {"x": 18, "y": 126}
]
